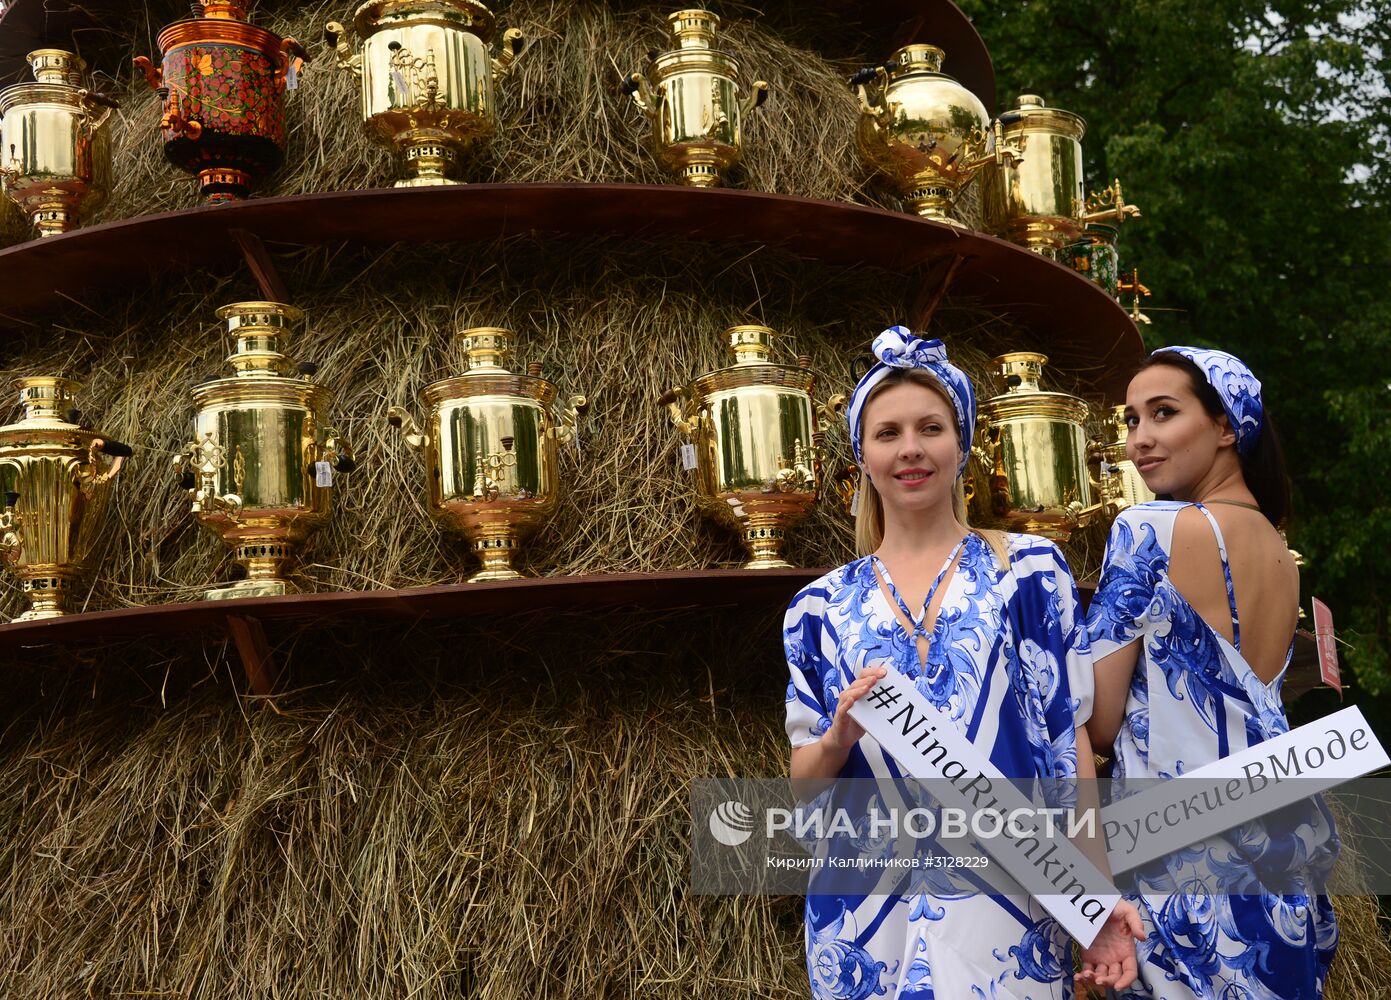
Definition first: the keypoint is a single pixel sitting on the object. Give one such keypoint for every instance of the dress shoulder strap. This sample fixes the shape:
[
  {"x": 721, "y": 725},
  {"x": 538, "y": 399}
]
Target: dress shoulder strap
[{"x": 1226, "y": 574}]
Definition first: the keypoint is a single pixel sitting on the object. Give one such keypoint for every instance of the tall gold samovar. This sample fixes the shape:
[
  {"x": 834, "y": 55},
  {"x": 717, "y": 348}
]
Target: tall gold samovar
[
  {"x": 926, "y": 134},
  {"x": 691, "y": 96},
  {"x": 222, "y": 81},
  {"x": 755, "y": 435},
  {"x": 1038, "y": 199},
  {"x": 490, "y": 446},
  {"x": 55, "y": 153},
  {"x": 263, "y": 462},
  {"x": 1120, "y": 483},
  {"x": 427, "y": 79},
  {"x": 1030, "y": 459},
  {"x": 56, "y": 490}
]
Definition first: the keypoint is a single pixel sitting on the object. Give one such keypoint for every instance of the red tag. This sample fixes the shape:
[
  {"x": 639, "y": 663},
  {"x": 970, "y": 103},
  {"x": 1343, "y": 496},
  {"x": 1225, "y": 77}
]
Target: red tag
[{"x": 1327, "y": 642}]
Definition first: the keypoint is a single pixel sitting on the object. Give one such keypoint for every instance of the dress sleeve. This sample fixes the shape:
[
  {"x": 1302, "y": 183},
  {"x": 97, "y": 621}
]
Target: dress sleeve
[
  {"x": 1129, "y": 574},
  {"x": 803, "y": 637}
]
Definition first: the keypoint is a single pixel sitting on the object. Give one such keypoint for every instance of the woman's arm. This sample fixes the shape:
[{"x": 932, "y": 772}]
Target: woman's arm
[
  {"x": 1112, "y": 686},
  {"x": 818, "y": 764}
]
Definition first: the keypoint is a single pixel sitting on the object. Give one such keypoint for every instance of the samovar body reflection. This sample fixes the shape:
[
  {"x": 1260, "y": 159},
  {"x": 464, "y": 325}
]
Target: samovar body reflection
[
  {"x": 756, "y": 440},
  {"x": 1121, "y": 484},
  {"x": 223, "y": 82},
  {"x": 56, "y": 488},
  {"x": 1029, "y": 468},
  {"x": 490, "y": 441},
  {"x": 55, "y": 149},
  {"x": 691, "y": 97},
  {"x": 428, "y": 79},
  {"x": 262, "y": 465}
]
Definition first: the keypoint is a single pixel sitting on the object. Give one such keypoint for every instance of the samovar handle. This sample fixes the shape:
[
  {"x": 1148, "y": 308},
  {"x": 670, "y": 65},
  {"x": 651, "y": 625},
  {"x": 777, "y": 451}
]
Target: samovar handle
[
  {"x": 860, "y": 82},
  {"x": 107, "y": 104},
  {"x": 757, "y": 95},
  {"x": 647, "y": 99},
  {"x": 116, "y": 451},
  {"x": 566, "y": 427},
  {"x": 347, "y": 58},
  {"x": 290, "y": 58},
  {"x": 400, "y": 418},
  {"x": 334, "y": 448},
  {"x": 674, "y": 400},
  {"x": 154, "y": 77},
  {"x": 513, "y": 43}
]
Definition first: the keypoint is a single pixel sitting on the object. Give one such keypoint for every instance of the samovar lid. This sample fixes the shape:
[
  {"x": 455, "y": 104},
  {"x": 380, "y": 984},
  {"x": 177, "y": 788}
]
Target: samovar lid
[
  {"x": 56, "y": 66},
  {"x": 1034, "y": 113},
  {"x": 46, "y": 398},
  {"x": 488, "y": 348},
  {"x": 262, "y": 332},
  {"x": 917, "y": 58},
  {"x": 1020, "y": 371},
  {"x": 466, "y": 15},
  {"x": 751, "y": 344},
  {"x": 225, "y": 10},
  {"x": 694, "y": 29}
]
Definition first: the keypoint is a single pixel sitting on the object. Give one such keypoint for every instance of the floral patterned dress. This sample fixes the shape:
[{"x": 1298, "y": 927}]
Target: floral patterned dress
[
  {"x": 1193, "y": 699},
  {"x": 1008, "y": 663}
]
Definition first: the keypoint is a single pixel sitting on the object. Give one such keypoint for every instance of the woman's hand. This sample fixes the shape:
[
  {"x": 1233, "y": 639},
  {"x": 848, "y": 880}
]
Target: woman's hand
[
  {"x": 845, "y": 732},
  {"x": 1110, "y": 961}
]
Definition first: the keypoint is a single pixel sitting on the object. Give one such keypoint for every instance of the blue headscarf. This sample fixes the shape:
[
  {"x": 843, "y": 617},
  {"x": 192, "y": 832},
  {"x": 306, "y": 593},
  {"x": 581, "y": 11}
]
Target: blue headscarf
[
  {"x": 1237, "y": 387},
  {"x": 896, "y": 347}
]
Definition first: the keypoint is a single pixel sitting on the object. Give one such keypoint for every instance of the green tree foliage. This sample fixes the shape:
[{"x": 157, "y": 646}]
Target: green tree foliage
[{"x": 1256, "y": 138}]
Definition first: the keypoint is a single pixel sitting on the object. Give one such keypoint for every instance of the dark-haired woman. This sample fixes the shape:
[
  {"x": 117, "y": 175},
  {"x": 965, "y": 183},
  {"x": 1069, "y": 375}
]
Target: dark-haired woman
[{"x": 1191, "y": 629}]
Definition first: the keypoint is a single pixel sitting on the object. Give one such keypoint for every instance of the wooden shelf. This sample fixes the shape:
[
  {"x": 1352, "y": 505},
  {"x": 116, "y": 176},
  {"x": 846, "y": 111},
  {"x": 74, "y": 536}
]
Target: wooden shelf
[
  {"x": 31, "y": 24},
  {"x": 1074, "y": 321}
]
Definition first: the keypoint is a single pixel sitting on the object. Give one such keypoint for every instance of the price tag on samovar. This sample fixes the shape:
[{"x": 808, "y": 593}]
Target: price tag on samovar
[
  {"x": 688, "y": 456},
  {"x": 323, "y": 474}
]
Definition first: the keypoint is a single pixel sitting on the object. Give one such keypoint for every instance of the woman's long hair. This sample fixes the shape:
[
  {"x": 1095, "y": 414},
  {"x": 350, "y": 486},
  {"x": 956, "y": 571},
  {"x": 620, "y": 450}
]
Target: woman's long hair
[
  {"x": 869, "y": 522},
  {"x": 1263, "y": 468}
]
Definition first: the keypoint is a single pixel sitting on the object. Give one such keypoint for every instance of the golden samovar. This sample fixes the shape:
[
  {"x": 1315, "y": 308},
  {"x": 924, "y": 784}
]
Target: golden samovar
[
  {"x": 56, "y": 490},
  {"x": 756, "y": 442},
  {"x": 1029, "y": 468},
  {"x": 223, "y": 84},
  {"x": 691, "y": 96},
  {"x": 1120, "y": 483},
  {"x": 55, "y": 153},
  {"x": 490, "y": 445},
  {"x": 261, "y": 467},
  {"x": 926, "y": 134},
  {"x": 1038, "y": 199},
  {"x": 427, "y": 78}
]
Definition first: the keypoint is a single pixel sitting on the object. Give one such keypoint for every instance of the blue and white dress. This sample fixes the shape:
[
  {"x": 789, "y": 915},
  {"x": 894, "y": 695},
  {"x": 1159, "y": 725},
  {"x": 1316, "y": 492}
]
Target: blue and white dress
[
  {"x": 1193, "y": 699},
  {"x": 1008, "y": 662}
]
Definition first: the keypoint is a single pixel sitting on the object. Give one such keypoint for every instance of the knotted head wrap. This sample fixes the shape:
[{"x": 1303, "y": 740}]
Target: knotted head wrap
[
  {"x": 896, "y": 347},
  {"x": 1237, "y": 387}
]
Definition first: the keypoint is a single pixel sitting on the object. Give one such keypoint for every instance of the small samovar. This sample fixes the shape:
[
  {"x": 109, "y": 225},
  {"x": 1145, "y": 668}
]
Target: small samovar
[
  {"x": 691, "y": 96},
  {"x": 1029, "y": 468},
  {"x": 1038, "y": 199},
  {"x": 428, "y": 79},
  {"x": 55, "y": 153},
  {"x": 223, "y": 84},
  {"x": 924, "y": 133},
  {"x": 260, "y": 469},
  {"x": 756, "y": 442},
  {"x": 491, "y": 446},
  {"x": 1120, "y": 483},
  {"x": 56, "y": 488}
]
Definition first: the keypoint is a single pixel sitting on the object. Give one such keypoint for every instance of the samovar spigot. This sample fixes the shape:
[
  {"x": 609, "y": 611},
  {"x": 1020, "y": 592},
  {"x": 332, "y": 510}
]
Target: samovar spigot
[
  {"x": 1109, "y": 205},
  {"x": 198, "y": 465}
]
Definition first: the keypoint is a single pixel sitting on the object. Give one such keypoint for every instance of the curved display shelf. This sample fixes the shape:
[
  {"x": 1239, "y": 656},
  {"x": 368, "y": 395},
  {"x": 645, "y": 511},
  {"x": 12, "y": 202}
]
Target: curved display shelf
[
  {"x": 1077, "y": 323},
  {"x": 31, "y": 24}
]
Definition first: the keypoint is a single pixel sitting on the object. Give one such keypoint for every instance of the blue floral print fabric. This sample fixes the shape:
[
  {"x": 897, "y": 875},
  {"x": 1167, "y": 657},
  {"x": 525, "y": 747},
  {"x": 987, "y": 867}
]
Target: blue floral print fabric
[
  {"x": 1193, "y": 699},
  {"x": 1008, "y": 663}
]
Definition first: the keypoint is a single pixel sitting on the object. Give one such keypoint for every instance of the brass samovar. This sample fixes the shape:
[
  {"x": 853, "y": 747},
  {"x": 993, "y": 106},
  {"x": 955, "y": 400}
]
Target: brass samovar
[
  {"x": 690, "y": 94},
  {"x": 261, "y": 467},
  {"x": 1029, "y": 468},
  {"x": 1038, "y": 199},
  {"x": 1120, "y": 483},
  {"x": 56, "y": 488},
  {"x": 223, "y": 82},
  {"x": 490, "y": 444},
  {"x": 756, "y": 442},
  {"x": 926, "y": 134},
  {"x": 427, "y": 79},
  {"x": 55, "y": 153}
]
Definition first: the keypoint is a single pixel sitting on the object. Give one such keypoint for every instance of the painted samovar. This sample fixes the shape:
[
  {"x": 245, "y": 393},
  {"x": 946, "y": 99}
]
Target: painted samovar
[
  {"x": 754, "y": 431},
  {"x": 490, "y": 443},
  {"x": 1029, "y": 468},
  {"x": 56, "y": 488},
  {"x": 223, "y": 84},
  {"x": 261, "y": 467},
  {"x": 690, "y": 94},
  {"x": 1038, "y": 200},
  {"x": 55, "y": 152},
  {"x": 428, "y": 79},
  {"x": 923, "y": 132},
  {"x": 1121, "y": 484}
]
